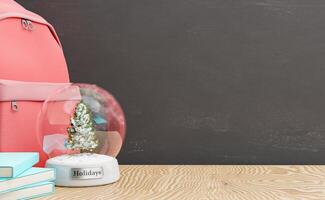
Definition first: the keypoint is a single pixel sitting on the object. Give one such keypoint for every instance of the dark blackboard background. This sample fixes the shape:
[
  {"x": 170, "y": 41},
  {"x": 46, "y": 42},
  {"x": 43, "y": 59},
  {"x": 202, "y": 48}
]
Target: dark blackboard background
[{"x": 204, "y": 81}]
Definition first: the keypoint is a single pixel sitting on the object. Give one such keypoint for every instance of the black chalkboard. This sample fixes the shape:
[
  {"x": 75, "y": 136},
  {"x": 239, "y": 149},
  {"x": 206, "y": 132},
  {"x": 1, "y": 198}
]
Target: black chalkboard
[{"x": 204, "y": 81}]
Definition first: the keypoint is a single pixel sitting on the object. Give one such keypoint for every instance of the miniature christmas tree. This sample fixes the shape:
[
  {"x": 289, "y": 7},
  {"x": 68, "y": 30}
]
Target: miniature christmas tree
[{"x": 82, "y": 135}]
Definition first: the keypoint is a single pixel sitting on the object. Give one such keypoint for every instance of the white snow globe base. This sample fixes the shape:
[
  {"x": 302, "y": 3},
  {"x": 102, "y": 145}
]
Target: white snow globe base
[{"x": 84, "y": 169}]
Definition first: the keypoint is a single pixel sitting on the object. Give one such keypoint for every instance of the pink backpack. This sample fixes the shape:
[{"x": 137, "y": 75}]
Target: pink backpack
[{"x": 32, "y": 66}]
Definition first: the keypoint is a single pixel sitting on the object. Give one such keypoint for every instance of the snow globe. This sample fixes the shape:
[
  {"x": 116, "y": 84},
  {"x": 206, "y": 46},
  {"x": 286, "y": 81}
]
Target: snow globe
[{"x": 81, "y": 128}]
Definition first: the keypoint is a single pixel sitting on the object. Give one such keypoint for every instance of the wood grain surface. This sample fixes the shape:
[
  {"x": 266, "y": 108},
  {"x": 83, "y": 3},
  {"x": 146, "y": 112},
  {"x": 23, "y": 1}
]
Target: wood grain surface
[{"x": 235, "y": 182}]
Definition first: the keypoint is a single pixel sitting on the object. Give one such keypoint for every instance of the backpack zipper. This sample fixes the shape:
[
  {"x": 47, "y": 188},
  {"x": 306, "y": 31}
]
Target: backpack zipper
[
  {"x": 14, "y": 106},
  {"x": 27, "y": 24}
]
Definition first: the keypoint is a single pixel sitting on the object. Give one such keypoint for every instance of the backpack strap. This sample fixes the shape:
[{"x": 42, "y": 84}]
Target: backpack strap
[{"x": 35, "y": 91}]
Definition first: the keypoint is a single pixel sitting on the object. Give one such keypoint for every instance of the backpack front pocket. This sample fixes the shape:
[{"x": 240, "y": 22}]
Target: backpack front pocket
[{"x": 20, "y": 106}]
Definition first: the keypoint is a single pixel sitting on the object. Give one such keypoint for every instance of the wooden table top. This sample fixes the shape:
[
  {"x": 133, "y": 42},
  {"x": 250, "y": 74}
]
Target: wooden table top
[{"x": 235, "y": 182}]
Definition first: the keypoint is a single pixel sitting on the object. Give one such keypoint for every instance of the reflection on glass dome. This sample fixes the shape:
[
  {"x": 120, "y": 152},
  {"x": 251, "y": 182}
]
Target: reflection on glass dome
[{"x": 81, "y": 118}]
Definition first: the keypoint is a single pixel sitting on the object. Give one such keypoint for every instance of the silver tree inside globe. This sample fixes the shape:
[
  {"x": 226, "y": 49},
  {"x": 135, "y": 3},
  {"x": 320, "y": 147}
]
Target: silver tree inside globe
[{"x": 82, "y": 135}]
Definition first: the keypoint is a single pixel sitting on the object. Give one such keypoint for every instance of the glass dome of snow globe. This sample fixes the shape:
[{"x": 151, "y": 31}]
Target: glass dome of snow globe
[
  {"x": 80, "y": 123},
  {"x": 81, "y": 118}
]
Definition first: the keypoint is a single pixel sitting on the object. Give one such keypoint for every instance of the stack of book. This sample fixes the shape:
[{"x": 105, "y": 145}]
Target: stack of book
[{"x": 20, "y": 180}]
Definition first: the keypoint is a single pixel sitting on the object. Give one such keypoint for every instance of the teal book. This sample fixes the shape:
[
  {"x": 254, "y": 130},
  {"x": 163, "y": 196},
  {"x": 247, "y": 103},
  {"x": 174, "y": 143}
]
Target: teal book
[
  {"x": 31, "y": 176},
  {"x": 30, "y": 192},
  {"x": 14, "y": 163}
]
